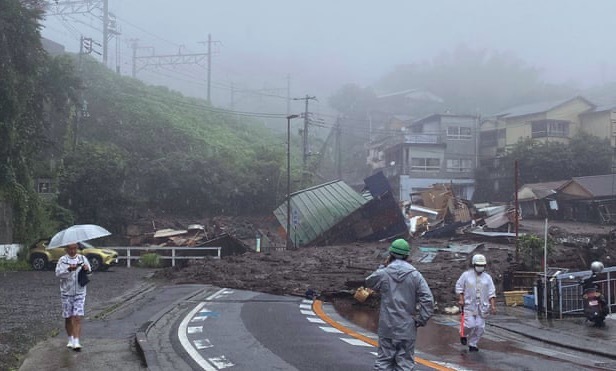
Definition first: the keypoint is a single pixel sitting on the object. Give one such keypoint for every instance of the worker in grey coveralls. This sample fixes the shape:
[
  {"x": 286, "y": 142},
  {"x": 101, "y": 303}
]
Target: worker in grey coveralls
[{"x": 406, "y": 303}]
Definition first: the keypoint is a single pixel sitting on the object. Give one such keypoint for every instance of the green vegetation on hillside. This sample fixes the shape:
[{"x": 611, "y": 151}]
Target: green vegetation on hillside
[
  {"x": 149, "y": 148},
  {"x": 116, "y": 148},
  {"x": 34, "y": 90}
]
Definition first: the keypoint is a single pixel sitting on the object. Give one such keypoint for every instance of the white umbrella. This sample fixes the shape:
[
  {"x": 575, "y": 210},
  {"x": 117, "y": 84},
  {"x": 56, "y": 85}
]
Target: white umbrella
[{"x": 77, "y": 233}]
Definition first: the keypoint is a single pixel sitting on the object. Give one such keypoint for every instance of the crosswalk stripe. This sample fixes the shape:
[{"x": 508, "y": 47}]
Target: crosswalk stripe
[{"x": 357, "y": 342}]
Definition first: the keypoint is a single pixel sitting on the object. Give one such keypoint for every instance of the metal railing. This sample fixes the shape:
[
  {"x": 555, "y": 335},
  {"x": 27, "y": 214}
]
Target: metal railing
[
  {"x": 173, "y": 257},
  {"x": 568, "y": 291}
]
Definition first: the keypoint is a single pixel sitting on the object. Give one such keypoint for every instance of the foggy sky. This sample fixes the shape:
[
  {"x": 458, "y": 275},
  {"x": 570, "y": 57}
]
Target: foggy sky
[{"x": 326, "y": 43}]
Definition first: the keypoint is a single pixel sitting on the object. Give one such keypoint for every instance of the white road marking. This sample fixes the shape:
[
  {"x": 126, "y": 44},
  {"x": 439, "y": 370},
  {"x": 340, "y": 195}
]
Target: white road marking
[
  {"x": 190, "y": 349},
  {"x": 330, "y": 329},
  {"x": 221, "y": 362},
  {"x": 315, "y": 320},
  {"x": 202, "y": 344},
  {"x": 307, "y": 312},
  {"x": 451, "y": 366},
  {"x": 198, "y": 319},
  {"x": 219, "y": 293},
  {"x": 357, "y": 342},
  {"x": 374, "y": 353},
  {"x": 305, "y": 306},
  {"x": 195, "y": 329},
  {"x": 306, "y": 301}
]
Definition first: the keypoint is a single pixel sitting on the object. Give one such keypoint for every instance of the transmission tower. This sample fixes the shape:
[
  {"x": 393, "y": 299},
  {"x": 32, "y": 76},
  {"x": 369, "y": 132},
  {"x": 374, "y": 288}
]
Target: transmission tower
[
  {"x": 141, "y": 62},
  {"x": 97, "y": 8}
]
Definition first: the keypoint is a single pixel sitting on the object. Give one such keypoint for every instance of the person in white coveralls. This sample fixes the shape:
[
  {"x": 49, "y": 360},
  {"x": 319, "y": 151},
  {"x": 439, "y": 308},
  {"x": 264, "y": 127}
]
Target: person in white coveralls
[{"x": 477, "y": 297}]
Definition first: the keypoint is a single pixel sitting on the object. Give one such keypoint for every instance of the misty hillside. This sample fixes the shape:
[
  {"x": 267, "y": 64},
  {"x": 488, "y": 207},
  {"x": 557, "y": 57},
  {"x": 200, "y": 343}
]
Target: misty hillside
[
  {"x": 158, "y": 150},
  {"x": 154, "y": 121}
]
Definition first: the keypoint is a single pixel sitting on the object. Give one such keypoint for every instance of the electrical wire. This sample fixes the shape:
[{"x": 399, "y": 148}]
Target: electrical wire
[{"x": 148, "y": 32}]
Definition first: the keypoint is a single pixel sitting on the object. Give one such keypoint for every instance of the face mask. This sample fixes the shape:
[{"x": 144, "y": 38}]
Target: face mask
[{"x": 480, "y": 268}]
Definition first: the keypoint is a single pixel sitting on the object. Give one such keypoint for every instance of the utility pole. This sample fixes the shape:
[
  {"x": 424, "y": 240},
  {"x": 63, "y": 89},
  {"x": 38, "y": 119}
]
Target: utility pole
[
  {"x": 305, "y": 132},
  {"x": 517, "y": 245},
  {"x": 209, "y": 66},
  {"x": 134, "y": 44},
  {"x": 288, "y": 94},
  {"x": 105, "y": 31},
  {"x": 338, "y": 149},
  {"x": 86, "y": 46}
]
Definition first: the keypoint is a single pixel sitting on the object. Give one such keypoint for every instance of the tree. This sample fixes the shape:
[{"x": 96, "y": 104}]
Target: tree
[
  {"x": 531, "y": 251},
  {"x": 475, "y": 80},
  {"x": 92, "y": 184},
  {"x": 352, "y": 100},
  {"x": 543, "y": 162},
  {"x": 24, "y": 94}
]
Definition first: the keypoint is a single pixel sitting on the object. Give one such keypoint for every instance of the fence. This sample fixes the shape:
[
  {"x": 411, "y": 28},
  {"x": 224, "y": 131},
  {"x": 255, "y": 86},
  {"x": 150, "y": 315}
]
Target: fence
[
  {"x": 567, "y": 292},
  {"x": 173, "y": 257}
]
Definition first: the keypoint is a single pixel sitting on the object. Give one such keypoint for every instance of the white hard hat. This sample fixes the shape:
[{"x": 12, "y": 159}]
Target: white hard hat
[
  {"x": 596, "y": 267},
  {"x": 479, "y": 259}
]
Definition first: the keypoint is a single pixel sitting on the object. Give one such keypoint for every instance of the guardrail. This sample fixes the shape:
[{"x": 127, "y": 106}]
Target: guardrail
[{"x": 128, "y": 257}]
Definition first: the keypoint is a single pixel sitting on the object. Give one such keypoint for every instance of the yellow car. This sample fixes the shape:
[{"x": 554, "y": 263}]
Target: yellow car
[{"x": 40, "y": 257}]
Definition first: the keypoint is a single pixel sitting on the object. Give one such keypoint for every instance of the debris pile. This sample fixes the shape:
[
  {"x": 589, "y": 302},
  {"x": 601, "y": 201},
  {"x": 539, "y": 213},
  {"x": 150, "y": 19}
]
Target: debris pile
[{"x": 438, "y": 213}]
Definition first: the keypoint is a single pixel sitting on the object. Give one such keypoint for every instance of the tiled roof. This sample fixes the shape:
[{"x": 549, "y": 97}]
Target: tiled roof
[
  {"x": 533, "y": 108},
  {"x": 598, "y": 185}
]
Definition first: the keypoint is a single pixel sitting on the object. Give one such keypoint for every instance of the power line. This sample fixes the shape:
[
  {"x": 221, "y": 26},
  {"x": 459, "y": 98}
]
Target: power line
[{"x": 147, "y": 32}]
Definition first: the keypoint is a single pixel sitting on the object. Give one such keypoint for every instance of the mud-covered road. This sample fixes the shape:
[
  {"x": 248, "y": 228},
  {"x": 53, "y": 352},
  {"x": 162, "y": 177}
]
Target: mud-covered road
[{"x": 330, "y": 271}]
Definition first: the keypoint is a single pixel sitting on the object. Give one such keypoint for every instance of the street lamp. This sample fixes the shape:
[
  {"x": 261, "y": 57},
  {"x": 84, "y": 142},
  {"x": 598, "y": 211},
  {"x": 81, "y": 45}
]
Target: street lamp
[{"x": 288, "y": 245}]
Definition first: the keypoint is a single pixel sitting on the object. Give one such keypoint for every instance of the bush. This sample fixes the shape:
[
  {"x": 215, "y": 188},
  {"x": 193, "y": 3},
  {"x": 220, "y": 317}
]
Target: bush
[
  {"x": 531, "y": 251},
  {"x": 14, "y": 265},
  {"x": 150, "y": 260}
]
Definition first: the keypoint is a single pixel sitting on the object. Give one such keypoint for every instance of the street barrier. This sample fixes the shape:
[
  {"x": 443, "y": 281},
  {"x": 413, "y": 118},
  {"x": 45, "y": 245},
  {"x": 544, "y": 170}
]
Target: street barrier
[{"x": 568, "y": 292}]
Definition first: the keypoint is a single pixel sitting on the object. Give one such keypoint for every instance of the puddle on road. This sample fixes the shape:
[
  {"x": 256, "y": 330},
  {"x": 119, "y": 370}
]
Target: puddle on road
[
  {"x": 440, "y": 337},
  {"x": 364, "y": 316}
]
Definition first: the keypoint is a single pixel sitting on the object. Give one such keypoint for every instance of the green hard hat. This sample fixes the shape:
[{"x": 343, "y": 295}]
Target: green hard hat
[{"x": 400, "y": 247}]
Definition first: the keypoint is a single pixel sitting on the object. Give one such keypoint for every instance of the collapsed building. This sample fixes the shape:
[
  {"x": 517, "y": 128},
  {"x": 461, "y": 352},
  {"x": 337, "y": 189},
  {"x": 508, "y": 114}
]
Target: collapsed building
[{"x": 333, "y": 213}]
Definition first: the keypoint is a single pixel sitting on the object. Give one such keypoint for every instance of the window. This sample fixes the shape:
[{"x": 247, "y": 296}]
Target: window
[
  {"x": 458, "y": 132},
  {"x": 459, "y": 165},
  {"x": 44, "y": 186},
  {"x": 550, "y": 128},
  {"x": 425, "y": 164},
  {"x": 488, "y": 138},
  {"x": 417, "y": 129}
]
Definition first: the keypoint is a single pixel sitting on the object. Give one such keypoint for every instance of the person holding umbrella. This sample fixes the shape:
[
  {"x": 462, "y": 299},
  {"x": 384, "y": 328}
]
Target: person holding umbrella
[
  {"x": 68, "y": 269},
  {"x": 72, "y": 294}
]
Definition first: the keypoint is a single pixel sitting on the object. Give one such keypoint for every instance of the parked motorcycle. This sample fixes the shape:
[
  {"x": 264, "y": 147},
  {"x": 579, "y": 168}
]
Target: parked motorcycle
[{"x": 595, "y": 305}]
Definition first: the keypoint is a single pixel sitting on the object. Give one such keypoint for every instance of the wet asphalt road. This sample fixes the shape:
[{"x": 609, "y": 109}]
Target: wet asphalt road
[{"x": 30, "y": 306}]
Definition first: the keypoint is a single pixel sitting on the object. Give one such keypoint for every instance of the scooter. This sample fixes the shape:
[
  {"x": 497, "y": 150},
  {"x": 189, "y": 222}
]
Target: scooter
[{"x": 595, "y": 305}]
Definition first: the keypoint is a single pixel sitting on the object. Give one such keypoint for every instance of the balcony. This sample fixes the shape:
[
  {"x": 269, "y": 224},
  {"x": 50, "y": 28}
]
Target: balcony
[{"x": 422, "y": 139}]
